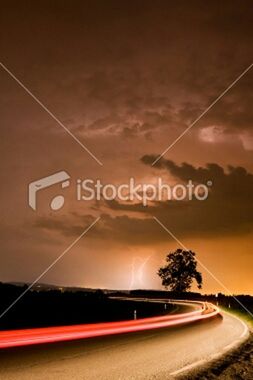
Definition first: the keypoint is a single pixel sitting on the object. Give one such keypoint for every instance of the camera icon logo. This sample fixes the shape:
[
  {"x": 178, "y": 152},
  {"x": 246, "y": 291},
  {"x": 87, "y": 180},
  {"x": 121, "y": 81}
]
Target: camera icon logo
[{"x": 58, "y": 201}]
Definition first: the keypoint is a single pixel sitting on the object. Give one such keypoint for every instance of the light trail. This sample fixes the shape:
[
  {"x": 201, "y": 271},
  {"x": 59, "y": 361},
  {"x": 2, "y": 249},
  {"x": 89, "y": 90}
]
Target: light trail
[{"x": 25, "y": 337}]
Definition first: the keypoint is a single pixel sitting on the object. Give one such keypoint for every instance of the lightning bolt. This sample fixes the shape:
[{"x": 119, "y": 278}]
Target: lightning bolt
[{"x": 137, "y": 270}]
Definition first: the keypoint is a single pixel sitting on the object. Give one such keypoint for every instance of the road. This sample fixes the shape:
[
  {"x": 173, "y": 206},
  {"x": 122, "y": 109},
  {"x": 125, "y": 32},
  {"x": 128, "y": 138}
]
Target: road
[{"x": 151, "y": 354}]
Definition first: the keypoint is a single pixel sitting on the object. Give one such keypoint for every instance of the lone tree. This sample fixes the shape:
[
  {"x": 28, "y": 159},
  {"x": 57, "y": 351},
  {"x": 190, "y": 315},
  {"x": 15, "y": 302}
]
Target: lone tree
[{"x": 180, "y": 271}]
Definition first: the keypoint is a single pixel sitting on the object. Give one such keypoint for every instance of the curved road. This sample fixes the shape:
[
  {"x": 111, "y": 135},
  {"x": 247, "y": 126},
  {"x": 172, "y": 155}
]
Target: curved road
[{"x": 151, "y": 354}]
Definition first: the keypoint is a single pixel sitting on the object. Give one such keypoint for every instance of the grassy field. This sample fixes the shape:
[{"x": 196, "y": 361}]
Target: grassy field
[{"x": 246, "y": 317}]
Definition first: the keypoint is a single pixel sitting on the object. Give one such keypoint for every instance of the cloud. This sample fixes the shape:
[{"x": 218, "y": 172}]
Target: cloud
[{"x": 228, "y": 210}]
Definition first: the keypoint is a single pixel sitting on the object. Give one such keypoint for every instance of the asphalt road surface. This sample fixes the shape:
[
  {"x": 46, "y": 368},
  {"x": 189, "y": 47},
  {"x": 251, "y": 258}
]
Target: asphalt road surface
[{"x": 154, "y": 354}]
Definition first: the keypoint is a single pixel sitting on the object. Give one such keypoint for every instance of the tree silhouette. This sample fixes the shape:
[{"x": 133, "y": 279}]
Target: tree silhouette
[{"x": 180, "y": 271}]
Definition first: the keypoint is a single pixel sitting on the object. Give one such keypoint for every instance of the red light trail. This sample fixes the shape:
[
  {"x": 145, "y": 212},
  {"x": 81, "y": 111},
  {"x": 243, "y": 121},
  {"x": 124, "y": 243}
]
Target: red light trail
[{"x": 25, "y": 337}]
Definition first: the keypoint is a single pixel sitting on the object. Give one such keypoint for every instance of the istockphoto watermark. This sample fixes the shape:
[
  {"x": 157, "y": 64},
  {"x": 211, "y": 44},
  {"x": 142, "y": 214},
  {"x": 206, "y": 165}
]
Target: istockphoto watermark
[{"x": 88, "y": 189}]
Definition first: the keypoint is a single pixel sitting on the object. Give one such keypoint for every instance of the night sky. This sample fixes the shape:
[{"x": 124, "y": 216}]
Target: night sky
[{"x": 127, "y": 78}]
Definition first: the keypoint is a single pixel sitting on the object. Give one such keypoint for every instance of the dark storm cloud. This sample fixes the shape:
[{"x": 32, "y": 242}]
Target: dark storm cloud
[
  {"x": 125, "y": 78},
  {"x": 186, "y": 171},
  {"x": 120, "y": 60},
  {"x": 234, "y": 113},
  {"x": 116, "y": 229},
  {"x": 227, "y": 210},
  {"x": 69, "y": 227}
]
